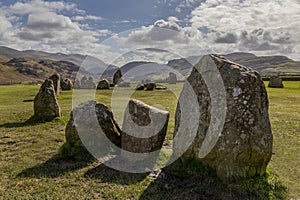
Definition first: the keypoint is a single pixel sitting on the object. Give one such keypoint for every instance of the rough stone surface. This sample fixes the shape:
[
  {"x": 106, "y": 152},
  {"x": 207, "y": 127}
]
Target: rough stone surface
[
  {"x": 144, "y": 127},
  {"x": 172, "y": 78},
  {"x": 103, "y": 85},
  {"x": 45, "y": 102},
  {"x": 243, "y": 148},
  {"x": 66, "y": 84},
  {"x": 140, "y": 87},
  {"x": 56, "y": 82},
  {"x": 150, "y": 86},
  {"x": 117, "y": 77},
  {"x": 275, "y": 82},
  {"x": 105, "y": 119}
]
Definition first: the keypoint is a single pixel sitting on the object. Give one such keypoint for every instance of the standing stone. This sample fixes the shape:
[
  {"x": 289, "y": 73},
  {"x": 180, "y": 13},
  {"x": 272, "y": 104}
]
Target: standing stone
[
  {"x": 144, "y": 128},
  {"x": 150, "y": 86},
  {"x": 56, "y": 82},
  {"x": 66, "y": 84},
  {"x": 228, "y": 106},
  {"x": 172, "y": 78},
  {"x": 81, "y": 119},
  {"x": 140, "y": 87},
  {"x": 275, "y": 82},
  {"x": 103, "y": 85},
  {"x": 117, "y": 77},
  {"x": 45, "y": 102}
]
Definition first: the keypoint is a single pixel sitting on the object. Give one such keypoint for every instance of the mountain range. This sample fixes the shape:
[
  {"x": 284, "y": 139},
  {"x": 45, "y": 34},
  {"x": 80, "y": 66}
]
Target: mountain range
[{"x": 32, "y": 66}]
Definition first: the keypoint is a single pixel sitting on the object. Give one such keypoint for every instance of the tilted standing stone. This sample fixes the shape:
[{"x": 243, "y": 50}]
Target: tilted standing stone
[
  {"x": 56, "y": 82},
  {"x": 45, "y": 102},
  {"x": 243, "y": 146},
  {"x": 275, "y": 82},
  {"x": 144, "y": 128},
  {"x": 81, "y": 116},
  {"x": 117, "y": 77}
]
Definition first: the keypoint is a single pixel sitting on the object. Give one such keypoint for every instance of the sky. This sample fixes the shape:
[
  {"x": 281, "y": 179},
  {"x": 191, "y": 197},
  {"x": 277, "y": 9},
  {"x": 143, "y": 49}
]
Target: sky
[{"x": 118, "y": 31}]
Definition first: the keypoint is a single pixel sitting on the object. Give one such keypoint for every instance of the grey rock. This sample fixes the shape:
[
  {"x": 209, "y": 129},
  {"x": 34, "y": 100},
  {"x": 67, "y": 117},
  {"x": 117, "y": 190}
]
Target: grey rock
[
  {"x": 150, "y": 86},
  {"x": 229, "y": 115},
  {"x": 275, "y": 82},
  {"x": 144, "y": 128},
  {"x": 140, "y": 87},
  {"x": 45, "y": 102},
  {"x": 172, "y": 78},
  {"x": 103, "y": 85},
  {"x": 81, "y": 119},
  {"x": 66, "y": 84},
  {"x": 56, "y": 82},
  {"x": 117, "y": 77}
]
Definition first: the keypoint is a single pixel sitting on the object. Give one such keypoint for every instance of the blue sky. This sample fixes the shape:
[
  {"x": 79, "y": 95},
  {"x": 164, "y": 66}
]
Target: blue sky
[{"x": 263, "y": 27}]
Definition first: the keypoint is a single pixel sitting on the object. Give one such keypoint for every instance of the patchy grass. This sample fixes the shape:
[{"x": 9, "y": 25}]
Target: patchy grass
[{"x": 37, "y": 164}]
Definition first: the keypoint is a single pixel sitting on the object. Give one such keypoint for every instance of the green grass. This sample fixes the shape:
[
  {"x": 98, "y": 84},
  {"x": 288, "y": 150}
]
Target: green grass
[{"x": 35, "y": 162}]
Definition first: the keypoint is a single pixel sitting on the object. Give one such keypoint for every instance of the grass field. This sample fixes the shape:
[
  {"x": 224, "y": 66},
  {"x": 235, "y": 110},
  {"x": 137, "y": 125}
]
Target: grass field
[{"x": 34, "y": 163}]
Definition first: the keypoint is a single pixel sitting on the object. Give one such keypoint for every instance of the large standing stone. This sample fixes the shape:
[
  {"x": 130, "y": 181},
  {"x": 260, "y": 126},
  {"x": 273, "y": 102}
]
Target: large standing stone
[
  {"x": 117, "y": 77},
  {"x": 172, "y": 78},
  {"x": 56, "y": 82},
  {"x": 233, "y": 132},
  {"x": 103, "y": 85},
  {"x": 66, "y": 84},
  {"x": 81, "y": 119},
  {"x": 45, "y": 102},
  {"x": 144, "y": 128},
  {"x": 275, "y": 82}
]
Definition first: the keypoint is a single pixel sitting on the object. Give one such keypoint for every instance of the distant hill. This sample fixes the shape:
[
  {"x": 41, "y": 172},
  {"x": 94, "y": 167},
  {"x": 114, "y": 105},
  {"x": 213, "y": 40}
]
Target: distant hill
[
  {"x": 26, "y": 69},
  {"x": 40, "y": 55},
  {"x": 268, "y": 65},
  {"x": 239, "y": 55}
]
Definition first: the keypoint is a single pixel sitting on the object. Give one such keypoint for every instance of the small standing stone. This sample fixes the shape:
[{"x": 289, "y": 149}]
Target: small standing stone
[
  {"x": 150, "y": 86},
  {"x": 275, "y": 82},
  {"x": 140, "y": 87},
  {"x": 45, "y": 102},
  {"x": 172, "y": 78},
  {"x": 56, "y": 82},
  {"x": 66, "y": 84},
  {"x": 103, "y": 85},
  {"x": 117, "y": 77}
]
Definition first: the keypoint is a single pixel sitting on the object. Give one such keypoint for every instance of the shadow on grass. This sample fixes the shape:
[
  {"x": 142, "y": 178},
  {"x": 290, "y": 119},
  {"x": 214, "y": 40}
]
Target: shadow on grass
[
  {"x": 32, "y": 121},
  {"x": 109, "y": 175},
  {"x": 194, "y": 181},
  {"x": 67, "y": 160}
]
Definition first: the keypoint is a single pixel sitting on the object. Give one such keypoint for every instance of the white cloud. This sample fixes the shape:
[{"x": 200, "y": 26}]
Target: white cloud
[
  {"x": 87, "y": 17},
  {"x": 260, "y": 26},
  {"x": 48, "y": 29}
]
